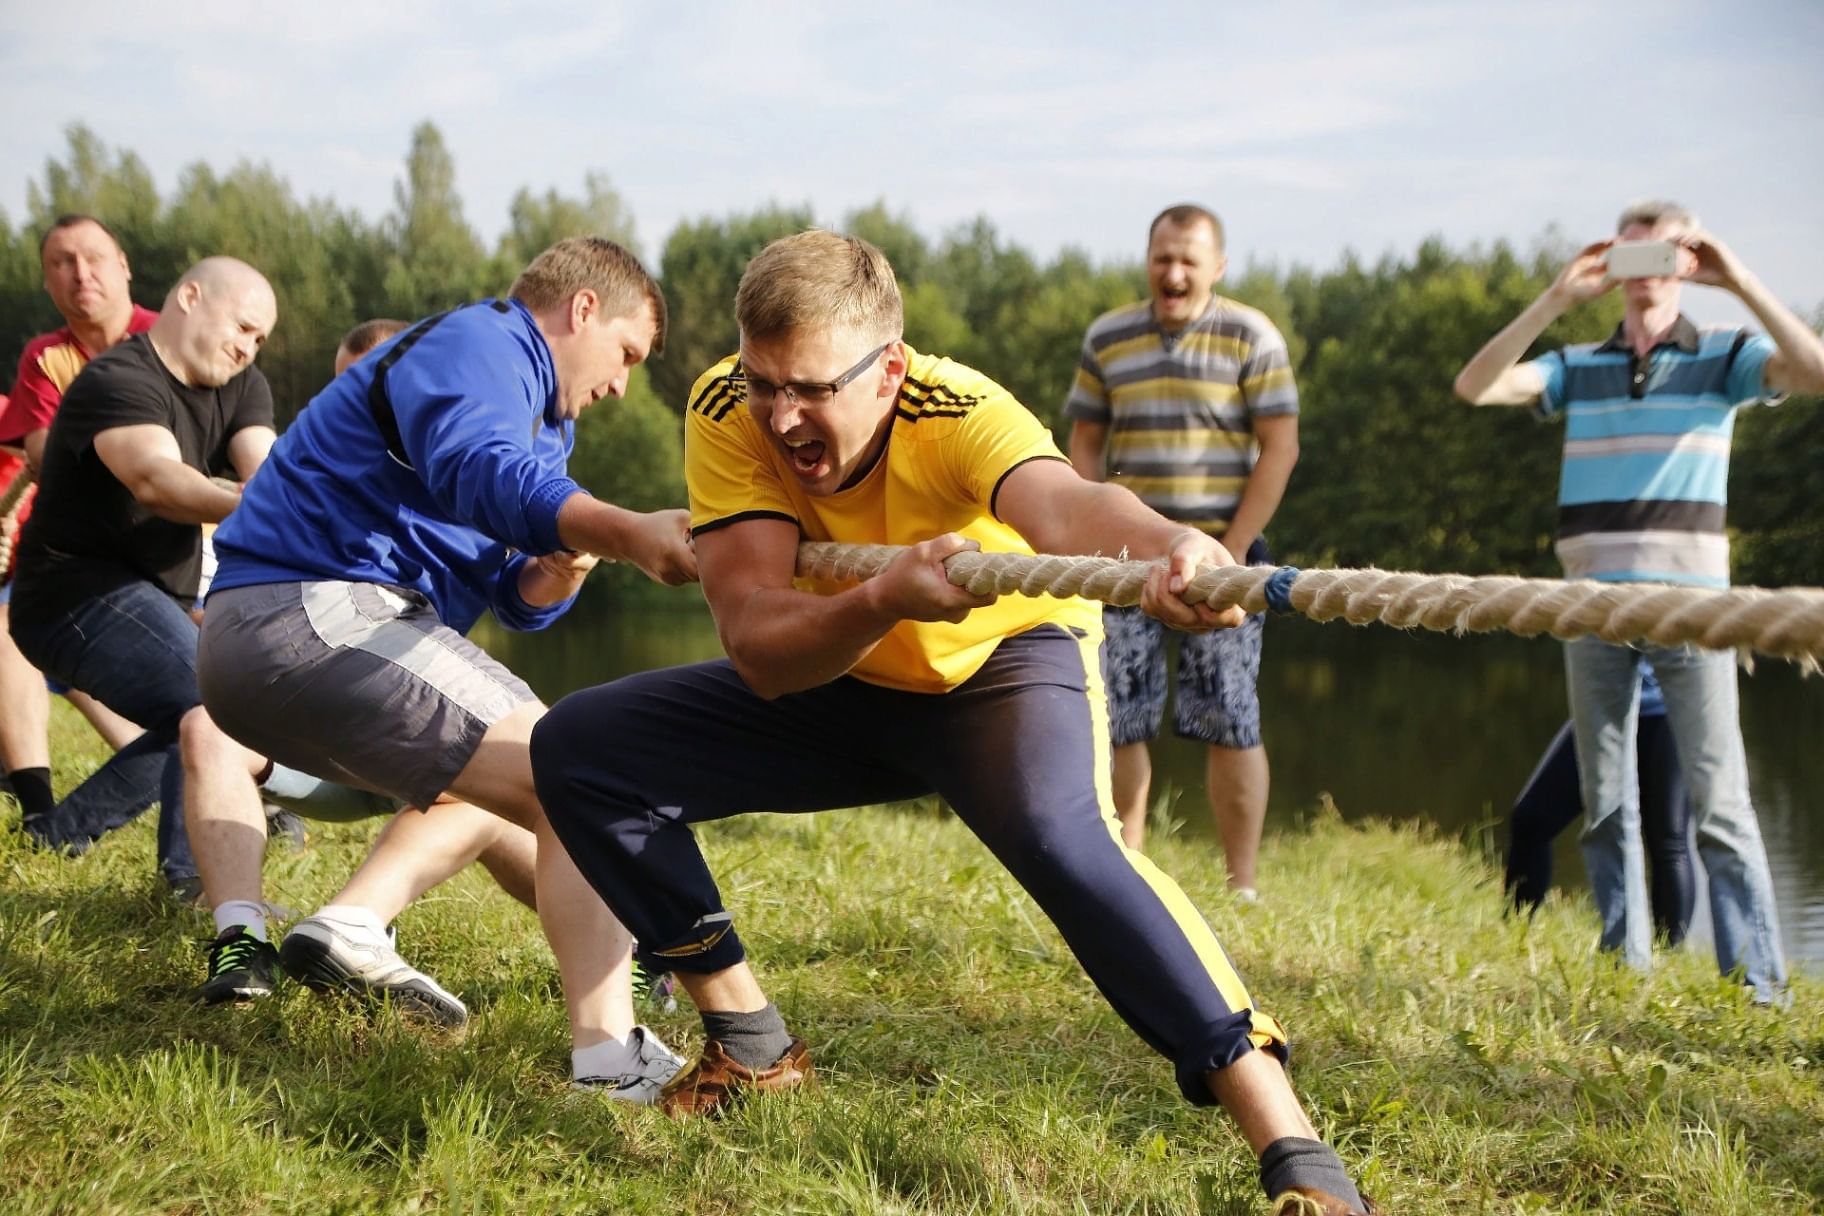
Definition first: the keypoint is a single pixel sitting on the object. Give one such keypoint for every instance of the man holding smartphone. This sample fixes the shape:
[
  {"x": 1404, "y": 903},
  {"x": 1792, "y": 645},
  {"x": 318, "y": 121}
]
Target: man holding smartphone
[{"x": 1649, "y": 414}]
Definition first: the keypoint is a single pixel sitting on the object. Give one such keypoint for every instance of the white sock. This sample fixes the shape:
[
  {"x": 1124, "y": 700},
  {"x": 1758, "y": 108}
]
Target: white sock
[
  {"x": 356, "y": 917},
  {"x": 611, "y": 1057},
  {"x": 244, "y": 912}
]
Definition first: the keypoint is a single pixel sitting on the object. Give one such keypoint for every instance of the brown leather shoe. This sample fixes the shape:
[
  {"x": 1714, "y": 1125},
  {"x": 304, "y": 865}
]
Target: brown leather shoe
[
  {"x": 1303, "y": 1201},
  {"x": 715, "y": 1082}
]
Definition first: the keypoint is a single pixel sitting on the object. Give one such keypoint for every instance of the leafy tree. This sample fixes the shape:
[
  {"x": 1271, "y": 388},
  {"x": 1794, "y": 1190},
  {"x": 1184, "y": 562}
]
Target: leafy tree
[
  {"x": 535, "y": 222},
  {"x": 437, "y": 260}
]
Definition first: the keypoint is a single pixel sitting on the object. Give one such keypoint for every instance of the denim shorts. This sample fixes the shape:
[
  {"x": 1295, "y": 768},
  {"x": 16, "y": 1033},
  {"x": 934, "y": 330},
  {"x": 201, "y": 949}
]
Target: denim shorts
[{"x": 1217, "y": 701}]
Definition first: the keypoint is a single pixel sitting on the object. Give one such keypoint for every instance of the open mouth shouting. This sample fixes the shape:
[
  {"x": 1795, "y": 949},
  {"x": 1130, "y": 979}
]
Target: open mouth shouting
[{"x": 807, "y": 458}]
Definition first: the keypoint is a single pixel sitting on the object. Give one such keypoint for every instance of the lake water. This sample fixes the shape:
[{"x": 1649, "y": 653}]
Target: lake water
[{"x": 1385, "y": 724}]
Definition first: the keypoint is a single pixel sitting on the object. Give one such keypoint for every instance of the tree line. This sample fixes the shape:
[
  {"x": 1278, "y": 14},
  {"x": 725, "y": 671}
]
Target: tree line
[{"x": 1395, "y": 472}]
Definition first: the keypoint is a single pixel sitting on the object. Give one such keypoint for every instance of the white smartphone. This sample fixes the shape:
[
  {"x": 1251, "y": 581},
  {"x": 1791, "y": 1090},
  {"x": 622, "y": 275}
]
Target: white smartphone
[{"x": 1643, "y": 259}]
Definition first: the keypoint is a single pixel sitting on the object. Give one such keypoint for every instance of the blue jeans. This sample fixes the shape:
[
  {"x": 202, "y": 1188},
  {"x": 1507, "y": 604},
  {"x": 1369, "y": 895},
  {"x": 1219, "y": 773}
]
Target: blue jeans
[
  {"x": 134, "y": 650},
  {"x": 1701, "y": 706}
]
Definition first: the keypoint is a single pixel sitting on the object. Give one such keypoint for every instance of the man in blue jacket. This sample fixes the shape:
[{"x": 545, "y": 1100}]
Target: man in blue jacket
[{"x": 425, "y": 485}]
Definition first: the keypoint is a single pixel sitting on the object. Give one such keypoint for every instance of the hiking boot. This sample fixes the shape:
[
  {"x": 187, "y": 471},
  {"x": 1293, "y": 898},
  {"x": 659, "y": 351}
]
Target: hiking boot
[
  {"x": 242, "y": 967},
  {"x": 1303, "y": 1201},
  {"x": 326, "y": 954},
  {"x": 715, "y": 1082},
  {"x": 282, "y": 825},
  {"x": 653, "y": 1065}
]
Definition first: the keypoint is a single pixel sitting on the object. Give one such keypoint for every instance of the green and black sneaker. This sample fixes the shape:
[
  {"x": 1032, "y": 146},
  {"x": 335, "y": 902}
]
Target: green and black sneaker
[{"x": 241, "y": 967}]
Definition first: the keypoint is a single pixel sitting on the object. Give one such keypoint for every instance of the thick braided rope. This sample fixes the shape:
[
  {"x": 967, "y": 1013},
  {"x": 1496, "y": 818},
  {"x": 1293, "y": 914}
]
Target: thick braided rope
[{"x": 1787, "y": 624}]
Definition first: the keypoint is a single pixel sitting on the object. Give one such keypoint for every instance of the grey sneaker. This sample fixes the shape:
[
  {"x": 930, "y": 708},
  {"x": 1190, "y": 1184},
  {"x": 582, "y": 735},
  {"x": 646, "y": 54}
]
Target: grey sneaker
[
  {"x": 327, "y": 954},
  {"x": 284, "y": 827},
  {"x": 653, "y": 1065}
]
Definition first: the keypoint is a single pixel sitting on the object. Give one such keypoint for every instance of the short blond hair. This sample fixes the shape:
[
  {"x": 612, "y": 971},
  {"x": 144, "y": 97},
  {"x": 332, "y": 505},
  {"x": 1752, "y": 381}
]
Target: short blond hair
[
  {"x": 1656, "y": 211},
  {"x": 819, "y": 280},
  {"x": 597, "y": 264}
]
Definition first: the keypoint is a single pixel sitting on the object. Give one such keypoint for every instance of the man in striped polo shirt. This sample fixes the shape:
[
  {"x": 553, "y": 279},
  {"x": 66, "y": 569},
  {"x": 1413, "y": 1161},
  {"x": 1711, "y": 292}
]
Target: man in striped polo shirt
[
  {"x": 1187, "y": 399},
  {"x": 1648, "y": 417}
]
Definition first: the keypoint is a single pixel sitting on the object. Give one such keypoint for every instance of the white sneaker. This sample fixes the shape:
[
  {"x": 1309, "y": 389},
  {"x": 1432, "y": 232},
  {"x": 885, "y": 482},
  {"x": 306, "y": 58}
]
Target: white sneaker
[
  {"x": 324, "y": 954},
  {"x": 652, "y": 1065}
]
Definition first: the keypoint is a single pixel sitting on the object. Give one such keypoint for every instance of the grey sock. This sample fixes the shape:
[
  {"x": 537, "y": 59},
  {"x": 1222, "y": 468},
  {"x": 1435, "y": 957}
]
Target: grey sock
[
  {"x": 1292, "y": 1161},
  {"x": 755, "y": 1040}
]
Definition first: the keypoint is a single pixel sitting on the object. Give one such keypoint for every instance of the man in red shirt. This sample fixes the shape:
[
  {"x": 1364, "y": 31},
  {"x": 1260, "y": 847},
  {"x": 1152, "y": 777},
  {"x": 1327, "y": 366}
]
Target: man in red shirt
[{"x": 86, "y": 275}]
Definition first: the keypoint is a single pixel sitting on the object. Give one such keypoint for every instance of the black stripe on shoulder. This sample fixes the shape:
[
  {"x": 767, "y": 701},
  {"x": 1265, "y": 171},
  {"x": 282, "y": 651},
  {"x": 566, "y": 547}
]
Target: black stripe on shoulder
[
  {"x": 920, "y": 400},
  {"x": 721, "y": 395},
  {"x": 741, "y": 517},
  {"x": 995, "y": 495}
]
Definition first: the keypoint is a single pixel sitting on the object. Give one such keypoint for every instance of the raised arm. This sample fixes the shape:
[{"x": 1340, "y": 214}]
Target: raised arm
[
  {"x": 1495, "y": 376},
  {"x": 1797, "y": 364},
  {"x": 785, "y": 640},
  {"x": 146, "y": 460}
]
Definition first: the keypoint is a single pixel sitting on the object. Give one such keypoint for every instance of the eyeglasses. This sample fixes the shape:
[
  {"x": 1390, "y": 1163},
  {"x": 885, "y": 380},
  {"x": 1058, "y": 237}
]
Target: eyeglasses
[{"x": 817, "y": 392}]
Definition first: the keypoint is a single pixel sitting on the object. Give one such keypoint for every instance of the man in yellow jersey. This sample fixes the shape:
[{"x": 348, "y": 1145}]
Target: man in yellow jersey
[{"x": 828, "y": 427}]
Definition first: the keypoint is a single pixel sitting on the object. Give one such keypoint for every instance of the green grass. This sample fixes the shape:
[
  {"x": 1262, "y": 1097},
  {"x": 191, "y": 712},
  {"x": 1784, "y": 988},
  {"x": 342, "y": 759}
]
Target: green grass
[{"x": 1460, "y": 1061}]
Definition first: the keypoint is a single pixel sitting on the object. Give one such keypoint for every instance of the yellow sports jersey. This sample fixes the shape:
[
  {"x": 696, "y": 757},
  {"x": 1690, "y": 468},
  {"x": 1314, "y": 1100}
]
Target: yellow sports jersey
[{"x": 956, "y": 435}]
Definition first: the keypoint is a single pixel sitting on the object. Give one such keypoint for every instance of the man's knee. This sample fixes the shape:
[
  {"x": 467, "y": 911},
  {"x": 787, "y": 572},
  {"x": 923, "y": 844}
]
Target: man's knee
[
  {"x": 202, "y": 742},
  {"x": 568, "y": 745}
]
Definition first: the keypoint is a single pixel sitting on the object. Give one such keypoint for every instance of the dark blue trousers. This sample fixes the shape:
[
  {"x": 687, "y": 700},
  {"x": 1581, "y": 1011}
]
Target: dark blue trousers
[
  {"x": 1020, "y": 751},
  {"x": 134, "y": 650},
  {"x": 1553, "y": 801}
]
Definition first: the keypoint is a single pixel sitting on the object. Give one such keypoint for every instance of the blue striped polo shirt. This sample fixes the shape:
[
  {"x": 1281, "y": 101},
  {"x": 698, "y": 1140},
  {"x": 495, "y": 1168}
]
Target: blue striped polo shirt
[
  {"x": 1645, "y": 480},
  {"x": 1180, "y": 407}
]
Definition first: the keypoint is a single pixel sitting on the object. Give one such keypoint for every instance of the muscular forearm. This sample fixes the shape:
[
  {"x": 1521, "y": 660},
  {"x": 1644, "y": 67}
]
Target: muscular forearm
[
  {"x": 1505, "y": 350},
  {"x": 1107, "y": 519},
  {"x": 540, "y": 588},
  {"x": 177, "y": 492},
  {"x": 589, "y": 525},
  {"x": 787, "y": 640}
]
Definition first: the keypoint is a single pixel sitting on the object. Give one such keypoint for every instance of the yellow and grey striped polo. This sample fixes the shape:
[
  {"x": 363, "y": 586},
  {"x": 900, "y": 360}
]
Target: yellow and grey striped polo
[{"x": 1180, "y": 408}]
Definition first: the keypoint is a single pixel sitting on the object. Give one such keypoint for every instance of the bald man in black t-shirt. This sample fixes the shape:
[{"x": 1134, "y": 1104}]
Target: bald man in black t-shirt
[{"x": 109, "y": 562}]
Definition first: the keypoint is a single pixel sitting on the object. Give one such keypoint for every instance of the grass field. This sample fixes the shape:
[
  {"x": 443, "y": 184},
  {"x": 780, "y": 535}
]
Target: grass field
[{"x": 1460, "y": 1061}]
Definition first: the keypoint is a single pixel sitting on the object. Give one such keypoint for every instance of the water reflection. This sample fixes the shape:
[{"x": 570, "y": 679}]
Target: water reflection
[{"x": 1387, "y": 724}]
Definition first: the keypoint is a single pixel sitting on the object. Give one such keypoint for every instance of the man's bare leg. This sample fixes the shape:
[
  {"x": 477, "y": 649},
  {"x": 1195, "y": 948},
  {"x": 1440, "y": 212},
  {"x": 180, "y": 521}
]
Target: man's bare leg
[
  {"x": 1131, "y": 776},
  {"x": 594, "y": 958},
  {"x": 114, "y": 730},
  {"x": 1258, "y": 1096},
  {"x": 416, "y": 850},
  {"x": 732, "y": 989},
  {"x": 1236, "y": 779},
  {"x": 25, "y": 708},
  {"x": 222, "y": 810}
]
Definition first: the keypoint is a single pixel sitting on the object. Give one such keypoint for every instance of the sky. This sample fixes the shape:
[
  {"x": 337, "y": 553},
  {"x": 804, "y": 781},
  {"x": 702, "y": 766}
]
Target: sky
[{"x": 1312, "y": 128}]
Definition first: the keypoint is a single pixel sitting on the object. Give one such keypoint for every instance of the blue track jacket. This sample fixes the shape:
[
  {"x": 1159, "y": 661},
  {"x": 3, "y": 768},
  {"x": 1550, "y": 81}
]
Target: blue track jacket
[{"x": 475, "y": 402}]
